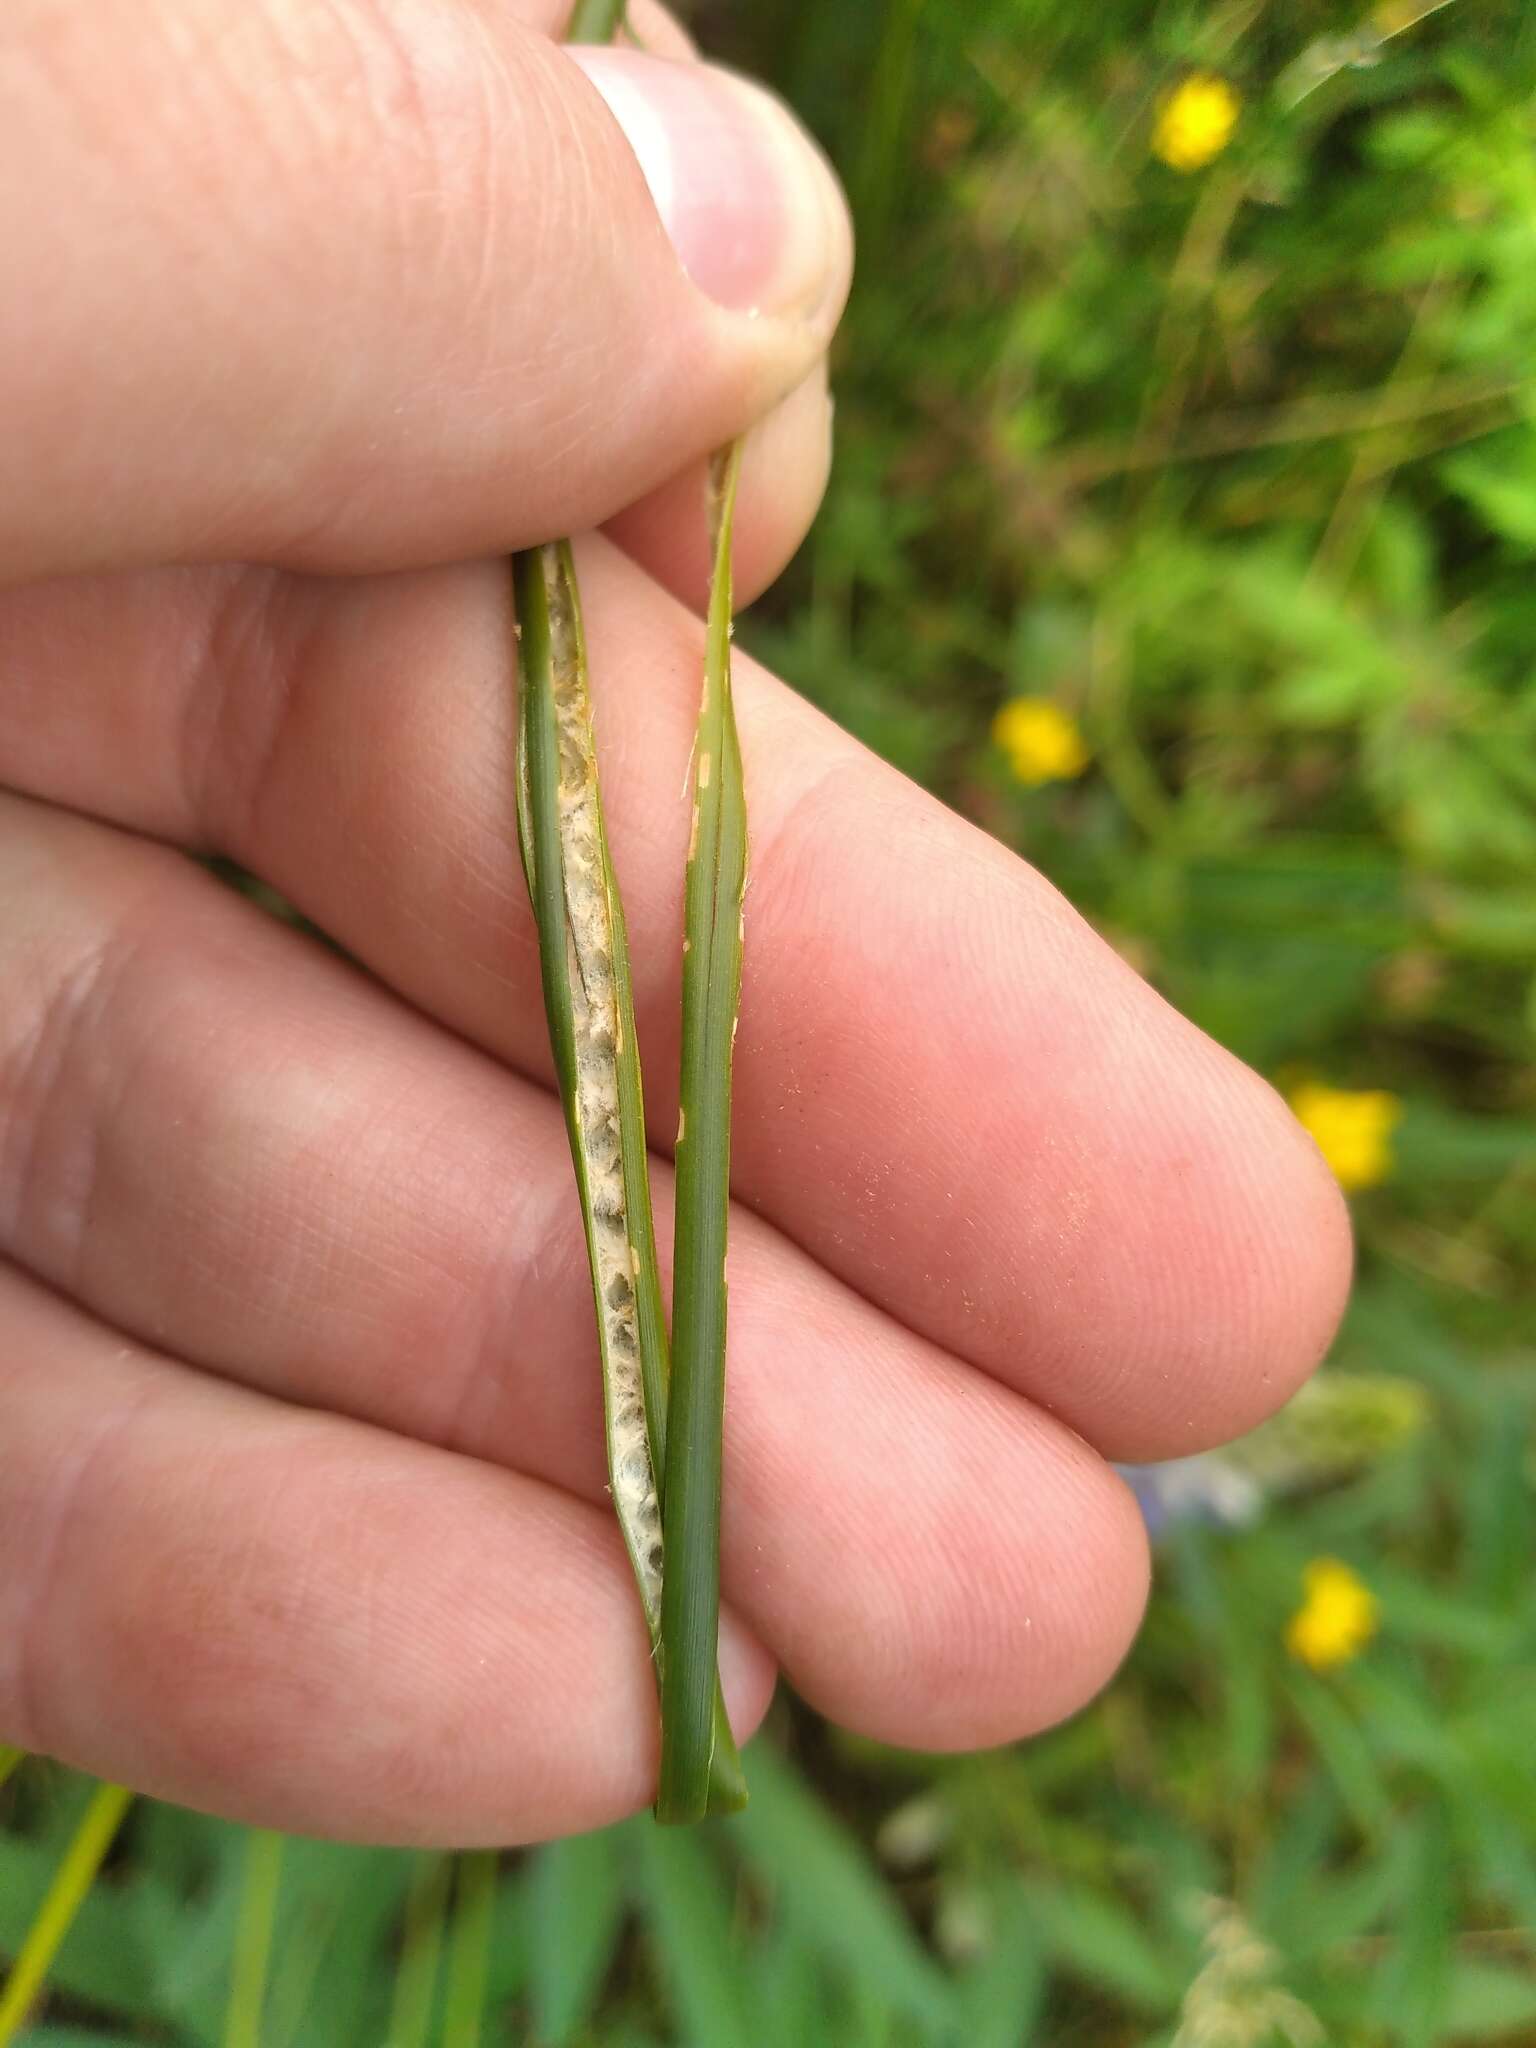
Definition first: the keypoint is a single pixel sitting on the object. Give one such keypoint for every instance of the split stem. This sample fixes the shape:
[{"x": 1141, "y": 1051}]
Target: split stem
[{"x": 589, "y": 1007}]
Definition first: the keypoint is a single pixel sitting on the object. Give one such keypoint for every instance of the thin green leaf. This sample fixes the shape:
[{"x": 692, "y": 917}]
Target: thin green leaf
[
  {"x": 1414, "y": 1981},
  {"x": 421, "y": 1946},
  {"x": 823, "y": 1886},
  {"x": 111, "y": 1955},
  {"x": 61, "y": 1902},
  {"x": 788, "y": 1991},
  {"x": 716, "y": 879},
  {"x": 685, "y": 1909},
  {"x": 469, "y": 1945},
  {"x": 338, "y": 1934},
  {"x": 9, "y": 1759},
  {"x": 1325, "y": 1910},
  {"x": 595, "y": 21},
  {"x": 1346, "y": 1751},
  {"x": 1001, "y": 1994},
  {"x": 253, "y": 1939},
  {"x": 1097, "y": 1938},
  {"x": 183, "y": 1898},
  {"x": 577, "y": 1909}
]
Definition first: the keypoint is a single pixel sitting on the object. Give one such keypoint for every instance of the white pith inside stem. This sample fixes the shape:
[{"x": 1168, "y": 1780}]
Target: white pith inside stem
[{"x": 595, "y": 1021}]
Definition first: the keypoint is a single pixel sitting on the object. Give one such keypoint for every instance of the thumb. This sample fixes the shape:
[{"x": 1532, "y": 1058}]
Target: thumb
[{"x": 366, "y": 283}]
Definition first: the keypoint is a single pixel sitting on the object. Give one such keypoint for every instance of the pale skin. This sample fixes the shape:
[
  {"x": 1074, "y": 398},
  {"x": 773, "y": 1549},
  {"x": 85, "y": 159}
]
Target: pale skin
[{"x": 302, "y": 1518}]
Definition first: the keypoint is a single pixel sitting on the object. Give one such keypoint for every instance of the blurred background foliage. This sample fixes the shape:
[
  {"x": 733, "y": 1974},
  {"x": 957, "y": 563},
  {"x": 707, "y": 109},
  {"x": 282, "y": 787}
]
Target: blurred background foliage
[{"x": 1182, "y": 533}]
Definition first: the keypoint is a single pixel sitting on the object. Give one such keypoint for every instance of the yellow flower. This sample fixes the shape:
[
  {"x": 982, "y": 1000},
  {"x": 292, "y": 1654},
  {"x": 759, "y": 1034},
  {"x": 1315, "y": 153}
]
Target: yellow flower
[
  {"x": 1041, "y": 740},
  {"x": 1195, "y": 122},
  {"x": 1352, "y": 1127},
  {"x": 1337, "y": 1616}
]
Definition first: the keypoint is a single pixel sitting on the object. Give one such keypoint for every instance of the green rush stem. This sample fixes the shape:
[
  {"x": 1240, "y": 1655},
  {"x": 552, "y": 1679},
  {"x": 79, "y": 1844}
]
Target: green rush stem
[
  {"x": 595, "y": 21},
  {"x": 253, "y": 1939},
  {"x": 589, "y": 1007},
  {"x": 469, "y": 1949},
  {"x": 421, "y": 1943},
  {"x": 716, "y": 878},
  {"x": 585, "y": 972},
  {"x": 9, "y": 1759},
  {"x": 62, "y": 1901}
]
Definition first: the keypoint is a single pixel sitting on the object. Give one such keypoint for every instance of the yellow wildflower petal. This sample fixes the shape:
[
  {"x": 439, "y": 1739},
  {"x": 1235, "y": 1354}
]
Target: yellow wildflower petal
[
  {"x": 1042, "y": 742},
  {"x": 1352, "y": 1129},
  {"x": 1195, "y": 122},
  {"x": 1337, "y": 1616}
]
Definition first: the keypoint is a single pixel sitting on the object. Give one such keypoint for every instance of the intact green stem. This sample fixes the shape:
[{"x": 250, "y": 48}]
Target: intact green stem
[
  {"x": 62, "y": 1901},
  {"x": 9, "y": 1759},
  {"x": 716, "y": 878},
  {"x": 595, "y": 21}
]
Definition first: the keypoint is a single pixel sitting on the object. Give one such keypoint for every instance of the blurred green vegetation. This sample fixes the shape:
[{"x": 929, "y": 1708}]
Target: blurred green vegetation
[{"x": 1236, "y": 467}]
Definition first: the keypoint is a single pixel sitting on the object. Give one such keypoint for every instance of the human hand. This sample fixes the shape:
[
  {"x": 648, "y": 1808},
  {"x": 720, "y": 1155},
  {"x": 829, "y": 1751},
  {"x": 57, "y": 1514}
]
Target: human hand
[{"x": 302, "y": 1514}]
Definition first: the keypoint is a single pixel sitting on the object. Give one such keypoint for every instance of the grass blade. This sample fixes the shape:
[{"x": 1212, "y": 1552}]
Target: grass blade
[
  {"x": 823, "y": 1888},
  {"x": 595, "y": 21},
  {"x": 1001, "y": 1994},
  {"x": 599, "y": 21},
  {"x": 589, "y": 1006},
  {"x": 253, "y": 1940},
  {"x": 9, "y": 1759},
  {"x": 687, "y": 1913},
  {"x": 72, "y": 1880},
  {"x": 469, "y": 1948},
  {"x": 576, "y": 1908},
  {"x": 716, "y": 878},
  {"x": 416, "y": 1973}
]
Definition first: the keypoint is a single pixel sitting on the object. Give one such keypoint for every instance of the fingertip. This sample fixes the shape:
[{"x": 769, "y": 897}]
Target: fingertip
[
  {"x": 1051, "y": 1617},
  {"x": 786, "y": 459},
  {"x": 747, "y": 1676},
  {"x": 1300, "y": 1286},
  {"x": 1246, "y": 1259},
  {"x": 749, "y": 202},
  {"x": 654, "y": 29}
]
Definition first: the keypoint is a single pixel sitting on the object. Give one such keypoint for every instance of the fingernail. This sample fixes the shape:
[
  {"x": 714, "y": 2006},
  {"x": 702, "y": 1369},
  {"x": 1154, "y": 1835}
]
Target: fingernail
[{"x": 749, "y": 201}]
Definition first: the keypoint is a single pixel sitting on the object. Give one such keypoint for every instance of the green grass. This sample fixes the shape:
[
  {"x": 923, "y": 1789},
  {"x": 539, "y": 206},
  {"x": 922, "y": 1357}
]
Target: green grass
[
  {"x": 1237, "y": 468},
  {"x": 715, "y": 879}
]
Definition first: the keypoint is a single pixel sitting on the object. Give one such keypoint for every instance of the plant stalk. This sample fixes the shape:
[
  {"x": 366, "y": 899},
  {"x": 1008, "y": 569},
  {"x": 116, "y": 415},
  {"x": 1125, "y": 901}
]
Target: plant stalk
[
  {"x": 595, "y": 21},
  {"x": 584, "y": 967},
  {"x": 716, "y": 879}
]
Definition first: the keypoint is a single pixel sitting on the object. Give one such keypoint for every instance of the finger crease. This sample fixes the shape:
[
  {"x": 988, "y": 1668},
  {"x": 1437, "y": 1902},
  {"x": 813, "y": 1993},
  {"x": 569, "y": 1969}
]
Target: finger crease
[
  {"x": 46, "y": 1186},
  {"x": 70, "y": 1490}
]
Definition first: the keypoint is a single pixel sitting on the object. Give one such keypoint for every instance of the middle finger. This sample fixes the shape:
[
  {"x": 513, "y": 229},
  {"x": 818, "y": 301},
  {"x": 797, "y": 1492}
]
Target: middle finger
[{"x": 219, "y": 1137}]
